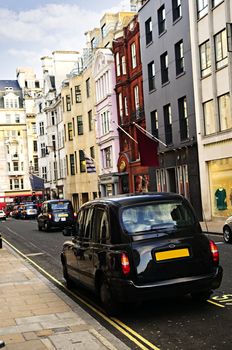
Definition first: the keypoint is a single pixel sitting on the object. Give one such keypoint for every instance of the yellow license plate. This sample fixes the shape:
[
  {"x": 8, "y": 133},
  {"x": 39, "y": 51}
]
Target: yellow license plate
[
  {"x": 172, "y": 254},
  {"x": 62, "y": 215}
]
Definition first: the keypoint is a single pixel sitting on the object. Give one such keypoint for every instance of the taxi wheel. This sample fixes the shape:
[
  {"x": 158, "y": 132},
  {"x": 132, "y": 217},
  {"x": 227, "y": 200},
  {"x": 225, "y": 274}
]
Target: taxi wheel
[
  {"x": 69, "y": 282},
  {"x": 46, "y": 227},
  {"x": 110, "y": 306},
  {"x": 227, "y": 234}
]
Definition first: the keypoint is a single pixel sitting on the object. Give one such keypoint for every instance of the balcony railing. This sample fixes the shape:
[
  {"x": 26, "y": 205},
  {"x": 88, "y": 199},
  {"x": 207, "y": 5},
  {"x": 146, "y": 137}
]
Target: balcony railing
[{"x": 137, "y": 114}]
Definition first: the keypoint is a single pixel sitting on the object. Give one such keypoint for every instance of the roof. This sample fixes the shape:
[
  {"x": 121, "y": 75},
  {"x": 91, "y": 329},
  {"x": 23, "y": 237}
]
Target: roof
[
  {"x": 133, "y": 198},
  {"x": 9, "y": 83}
]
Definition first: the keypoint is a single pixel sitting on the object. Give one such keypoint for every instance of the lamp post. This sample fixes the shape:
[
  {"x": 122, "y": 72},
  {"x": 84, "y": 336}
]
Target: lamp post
[{"x": 53, "y": 149}]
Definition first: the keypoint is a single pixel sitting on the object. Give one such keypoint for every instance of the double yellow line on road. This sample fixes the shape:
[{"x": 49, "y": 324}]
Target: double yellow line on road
[{"x": 128, "y": 332}]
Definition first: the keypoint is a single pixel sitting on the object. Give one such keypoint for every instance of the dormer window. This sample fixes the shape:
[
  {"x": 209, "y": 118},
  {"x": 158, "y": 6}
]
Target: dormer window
[{"x": 11, "y": 101}]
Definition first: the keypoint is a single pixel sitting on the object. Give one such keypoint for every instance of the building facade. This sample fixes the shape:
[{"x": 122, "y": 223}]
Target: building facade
[
  {"x": 210, "y": 24},
  {"x": 106, "y": 120},
  {"x": 169, "y": 96},
  {"x": 129, "y": 91}
]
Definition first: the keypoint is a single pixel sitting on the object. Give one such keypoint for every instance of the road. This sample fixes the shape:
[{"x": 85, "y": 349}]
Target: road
[{"x": 161, "y": 324}]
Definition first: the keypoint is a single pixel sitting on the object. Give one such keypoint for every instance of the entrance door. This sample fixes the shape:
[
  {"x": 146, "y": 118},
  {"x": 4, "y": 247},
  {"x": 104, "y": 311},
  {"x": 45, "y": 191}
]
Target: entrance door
[{"x": 171, "y": 180}]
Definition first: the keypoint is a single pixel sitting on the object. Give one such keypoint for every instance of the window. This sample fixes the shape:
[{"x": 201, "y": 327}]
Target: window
[
  {"x": 80, "y": 130},
  {"x": 164, "y": 67},
  {"x": 148, "y": 31},
  {"x": 16, "y": 183},
  {"x": 16, "y": 166},
  {"x": 82, "y": 161},
  {"x": 136, "y": 97},
  {"x": 224, "y": 112},
  {"x": 53, "y": 118},
  {"x": 202, "y": 7},
  {"x": 68, "y": 103},
  {"x": 123, "y": 65},
  {"x": 154, "y": 123},
  {"x": 161, "y": 20},
  {"x": 151, "y": 75},
  {"x": 118, "y": 69},
  {"x": 33, "y": 125},
  {"x": 205, "y": 58},
  {"x": 103, "y": 31},
  {"x": 8, "y": 118},
  {"x": 176, "y": 9},
  {"x": 72, "y": 164},
  {"x": 70, "y": 131},
  {"x": 22, "y": 166},
  {"x": 209, "y": 117},
  {"x": 41, "y": 128},
  {"x": 125, "y": 105},
  {"x": 168, "y": 124},
  {"x": 133, "y": 55},
  {"x": 36, "y": 164},
  {"x": 35, "y": 148},
  {"x": 22, "y": 185},
  {"x": 44, "y": 173},
  {"x": 216, "y": 2},
  {"x": 93, "y": 43},
  {"x": 179, "y": 55},
  {"x": 90, "y": 119},
  {"x": 92, "y": 152},
  {"x": 17, "y": 118},
  {"x": 43, "y": 149},
  {"x": 183, "y": 118},
  {"x": 120, "y": 106},
  {"x": 220, "y": 41},
  {"x": 105, "y": 123},
  {"x": 77, "y": 94},
  {"x": 87, "y": 84},
  {"x": 108, "y": 157}
]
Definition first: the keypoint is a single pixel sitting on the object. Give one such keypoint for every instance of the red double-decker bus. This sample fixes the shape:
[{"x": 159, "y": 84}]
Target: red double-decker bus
[{"x": 7, "y": 201}]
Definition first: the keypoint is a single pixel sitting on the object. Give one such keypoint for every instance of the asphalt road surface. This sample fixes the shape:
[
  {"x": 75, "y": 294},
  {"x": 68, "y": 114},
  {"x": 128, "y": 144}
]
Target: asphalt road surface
[{"x": 167, "y": 324}]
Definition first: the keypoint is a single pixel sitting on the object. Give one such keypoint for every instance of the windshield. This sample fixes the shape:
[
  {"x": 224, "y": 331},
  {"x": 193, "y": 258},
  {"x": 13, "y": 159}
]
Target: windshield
[
  {"x": 156, "y": 216},
  {"x": 61, "y": 206}
]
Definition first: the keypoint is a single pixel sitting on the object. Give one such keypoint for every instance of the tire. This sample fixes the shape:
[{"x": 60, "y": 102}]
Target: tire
[
  {"x": 109, "y": 304},
  {"x": 69, "y": 282},
  {"x": 227, "y": 234},
  {"x": 201, "y": 296},
  {"x": 46, "y": 227}
]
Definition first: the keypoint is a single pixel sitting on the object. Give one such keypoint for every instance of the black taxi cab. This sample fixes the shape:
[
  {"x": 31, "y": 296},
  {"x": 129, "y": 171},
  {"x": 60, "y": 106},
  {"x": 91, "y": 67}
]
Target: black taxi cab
[
  {"x": 140, "y": 246},
  {"x": 56, "y": 213}
]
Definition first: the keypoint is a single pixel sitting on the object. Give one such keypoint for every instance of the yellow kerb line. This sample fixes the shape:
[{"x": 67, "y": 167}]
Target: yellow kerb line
[
  {"x": 109, "y": 320},
  {"x": 214, "y": 303}
]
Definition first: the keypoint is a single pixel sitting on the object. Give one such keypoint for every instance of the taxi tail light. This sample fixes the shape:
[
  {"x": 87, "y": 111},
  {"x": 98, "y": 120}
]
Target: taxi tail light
[
  {"x": 214, "y": 252},
  {"x": 75, "y": 215},
  {"x": 49, "y": 216},
  {"x": 125, "y": 264}
]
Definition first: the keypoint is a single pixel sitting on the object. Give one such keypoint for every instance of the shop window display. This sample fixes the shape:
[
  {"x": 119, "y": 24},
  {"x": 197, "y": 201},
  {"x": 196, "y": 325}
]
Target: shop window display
[{"x": 221, "y": 187}]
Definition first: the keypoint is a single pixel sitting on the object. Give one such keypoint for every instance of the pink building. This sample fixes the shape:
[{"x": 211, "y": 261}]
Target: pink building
[{"x": 106, "y": 121}]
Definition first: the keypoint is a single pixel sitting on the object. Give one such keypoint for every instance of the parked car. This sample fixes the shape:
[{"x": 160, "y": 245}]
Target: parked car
[
  {"x": 137, "y": 247},
  {"x": 227, "y": 230},
  {"x": 2, "y": 215},
  {"x": 16, "y": 212},
  {"x": 29, "y": 211},
  {"x": 56, "y": 213}
]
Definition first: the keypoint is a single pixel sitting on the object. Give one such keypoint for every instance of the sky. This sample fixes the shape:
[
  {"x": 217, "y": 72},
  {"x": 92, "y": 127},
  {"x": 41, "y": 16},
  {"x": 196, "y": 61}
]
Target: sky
[{"x": 31, "y": 29}]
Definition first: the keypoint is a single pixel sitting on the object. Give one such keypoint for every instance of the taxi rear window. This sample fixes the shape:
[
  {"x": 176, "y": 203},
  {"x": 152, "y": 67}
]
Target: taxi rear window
[
  {"x": 152, "y": 216},
  {"x": 61, "y": 206}
]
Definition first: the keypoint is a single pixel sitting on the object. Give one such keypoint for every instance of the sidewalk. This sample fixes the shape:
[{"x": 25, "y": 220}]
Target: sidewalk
[
  {"x": 213, "y": 226},
  {"x": 36, "y": 315}
]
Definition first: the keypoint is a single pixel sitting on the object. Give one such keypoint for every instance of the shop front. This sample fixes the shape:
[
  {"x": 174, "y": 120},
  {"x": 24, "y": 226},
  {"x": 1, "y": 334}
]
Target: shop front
[
  {"x": 108, "y": 184},
  {"x": 220, "y": 176}
]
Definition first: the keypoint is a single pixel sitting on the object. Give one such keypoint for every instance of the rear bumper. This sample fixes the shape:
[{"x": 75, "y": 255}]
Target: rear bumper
[{"x": 127, "y": 290}]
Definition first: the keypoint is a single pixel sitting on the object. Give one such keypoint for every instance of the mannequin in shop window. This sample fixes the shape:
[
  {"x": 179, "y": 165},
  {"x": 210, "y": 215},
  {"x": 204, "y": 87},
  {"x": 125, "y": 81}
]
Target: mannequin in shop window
[{"x": 220, "y": 196}]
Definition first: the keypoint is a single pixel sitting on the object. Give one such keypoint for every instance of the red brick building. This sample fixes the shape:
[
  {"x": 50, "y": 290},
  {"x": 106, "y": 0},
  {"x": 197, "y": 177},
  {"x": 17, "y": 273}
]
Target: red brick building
[{"x": 129, "y": 92}]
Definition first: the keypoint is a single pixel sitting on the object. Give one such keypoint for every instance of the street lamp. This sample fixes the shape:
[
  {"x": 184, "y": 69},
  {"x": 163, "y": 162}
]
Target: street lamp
[{"x": 53, "y": 149}]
